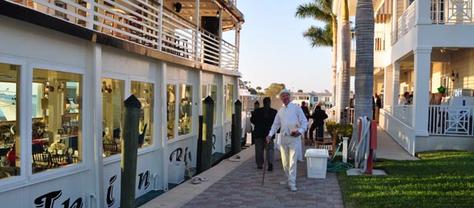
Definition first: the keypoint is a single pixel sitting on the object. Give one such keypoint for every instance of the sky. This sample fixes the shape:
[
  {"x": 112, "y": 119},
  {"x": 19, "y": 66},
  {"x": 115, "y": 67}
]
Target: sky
[{"x": 273, "y": 49}]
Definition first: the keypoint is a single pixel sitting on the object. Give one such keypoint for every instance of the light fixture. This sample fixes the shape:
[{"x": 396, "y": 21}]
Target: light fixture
[
  {"x": 454, "y": 75},
  {"x": 177, "y": 7}
]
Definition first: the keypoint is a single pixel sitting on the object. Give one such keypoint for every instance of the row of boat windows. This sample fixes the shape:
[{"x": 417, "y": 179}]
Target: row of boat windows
[{"x": 56, "y": 116}]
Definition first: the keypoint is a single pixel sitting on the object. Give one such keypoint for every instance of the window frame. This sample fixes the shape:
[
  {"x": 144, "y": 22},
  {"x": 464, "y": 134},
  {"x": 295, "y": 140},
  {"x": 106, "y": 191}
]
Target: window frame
[
  {"x": 13, "y": 182},
  {"x": 114, "y": 157},
  {"x": 85, "y": 132},
  {"x": 177, "y": 84},
  {"x": 127, "y": 87}
]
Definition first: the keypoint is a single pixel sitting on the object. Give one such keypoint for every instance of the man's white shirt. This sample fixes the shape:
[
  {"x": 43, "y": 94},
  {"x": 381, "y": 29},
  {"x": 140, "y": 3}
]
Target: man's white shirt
[{"x": 289, "y": 118}]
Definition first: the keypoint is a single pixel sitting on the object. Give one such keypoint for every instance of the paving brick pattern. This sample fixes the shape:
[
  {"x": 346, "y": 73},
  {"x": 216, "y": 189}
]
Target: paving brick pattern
[{"x": 242, "y": 188}]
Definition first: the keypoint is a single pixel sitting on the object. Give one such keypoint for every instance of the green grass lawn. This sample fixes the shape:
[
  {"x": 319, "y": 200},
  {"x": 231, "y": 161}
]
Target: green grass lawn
[{"x": 439, "y": 179}]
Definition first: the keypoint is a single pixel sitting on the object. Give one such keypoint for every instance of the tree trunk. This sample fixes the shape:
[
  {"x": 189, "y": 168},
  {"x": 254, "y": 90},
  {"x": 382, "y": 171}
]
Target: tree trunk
[
  {"x": 364, "y": 74},
  {"x": 343, "y": 62},
  {"x": 334, "y": 58}
]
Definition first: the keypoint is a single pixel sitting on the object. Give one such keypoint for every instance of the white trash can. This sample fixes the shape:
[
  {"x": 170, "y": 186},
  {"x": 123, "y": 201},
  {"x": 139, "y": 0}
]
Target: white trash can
[{"x": 316, "y": 162}]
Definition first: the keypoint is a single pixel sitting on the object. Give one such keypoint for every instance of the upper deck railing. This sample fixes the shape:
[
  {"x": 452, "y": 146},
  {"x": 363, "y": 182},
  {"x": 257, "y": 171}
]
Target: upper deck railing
[
  {"x": 452, "y": 11},
  {"x": 442, "y": 12},
  {"x": 144, "y": 23}
]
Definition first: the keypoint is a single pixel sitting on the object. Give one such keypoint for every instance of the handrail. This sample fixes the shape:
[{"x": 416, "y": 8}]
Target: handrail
[{"x": 144, "y": 23}]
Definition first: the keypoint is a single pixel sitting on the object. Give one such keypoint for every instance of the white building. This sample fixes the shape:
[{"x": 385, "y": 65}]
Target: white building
[
  {"x": 66, "y": 68},
  {"x": 300, "y": 97},
  {"x": 323, "y": 98},
  {"x": 421, "y": 45}
]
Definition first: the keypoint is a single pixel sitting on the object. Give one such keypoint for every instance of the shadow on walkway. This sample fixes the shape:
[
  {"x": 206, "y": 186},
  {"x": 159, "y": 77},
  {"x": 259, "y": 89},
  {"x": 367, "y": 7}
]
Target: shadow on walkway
[{"x": 242, "y": 188}]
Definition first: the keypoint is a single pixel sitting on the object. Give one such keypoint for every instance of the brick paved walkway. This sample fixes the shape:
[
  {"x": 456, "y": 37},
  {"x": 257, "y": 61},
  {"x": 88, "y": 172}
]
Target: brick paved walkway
[{"x": 242, "y": 188}]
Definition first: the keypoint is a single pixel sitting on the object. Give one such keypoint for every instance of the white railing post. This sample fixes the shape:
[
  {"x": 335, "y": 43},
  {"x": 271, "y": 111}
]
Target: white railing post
[
  {"x": 220, "y": 38},
  {"x": 160, "y": 29},
  {"x": 237, "y": 45},
  {"x": 198, "y": 26},
  {"x": 90, "y": 14}
]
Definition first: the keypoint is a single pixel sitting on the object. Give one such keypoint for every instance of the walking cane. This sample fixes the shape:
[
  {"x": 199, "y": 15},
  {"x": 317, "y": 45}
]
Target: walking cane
[{"x": 264, "y": 162}]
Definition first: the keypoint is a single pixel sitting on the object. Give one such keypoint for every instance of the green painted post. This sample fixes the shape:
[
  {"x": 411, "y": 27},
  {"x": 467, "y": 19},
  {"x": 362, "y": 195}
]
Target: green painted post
[
  {"x": 129, "y": 152},
  {"x": 206, "y": 135},
  {"x": 237, "y": 127}
]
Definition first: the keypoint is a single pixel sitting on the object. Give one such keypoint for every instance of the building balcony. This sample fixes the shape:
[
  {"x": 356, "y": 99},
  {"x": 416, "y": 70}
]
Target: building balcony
[
  {"x": 162, "y": 26},
  {"x": 442, "y": 12}
]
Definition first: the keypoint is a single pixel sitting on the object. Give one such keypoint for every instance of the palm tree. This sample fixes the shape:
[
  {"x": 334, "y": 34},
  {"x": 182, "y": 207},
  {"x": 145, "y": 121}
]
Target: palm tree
[
  {"x": 364, "y": 74},
  {"x": 321, "y": 37},
  {"x": 343, "y": 62}
]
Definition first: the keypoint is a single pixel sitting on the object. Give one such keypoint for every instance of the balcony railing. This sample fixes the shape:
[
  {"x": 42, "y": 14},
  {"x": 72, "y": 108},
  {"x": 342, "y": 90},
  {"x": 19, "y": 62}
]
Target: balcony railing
[
  {"x": 144, "y": 23},
  {"x": 450, "y": 120},
  {"x": 452, "y": 11},
  {"x": 405, "y": 23}
]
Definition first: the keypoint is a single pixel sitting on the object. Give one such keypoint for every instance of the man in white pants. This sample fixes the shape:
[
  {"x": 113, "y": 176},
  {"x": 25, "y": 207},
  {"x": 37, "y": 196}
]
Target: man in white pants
[{"x": 292, "y": 123}]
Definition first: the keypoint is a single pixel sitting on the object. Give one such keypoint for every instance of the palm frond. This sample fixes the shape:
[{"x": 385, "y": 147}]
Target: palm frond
[
  {"x": 314, "y": 10},
  {"x": 319, "y": 37}
]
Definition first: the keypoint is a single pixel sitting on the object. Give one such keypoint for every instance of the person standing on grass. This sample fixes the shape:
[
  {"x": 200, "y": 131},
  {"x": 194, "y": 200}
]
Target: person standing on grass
[
  {"x": 262, "y": 119},
  {"x": 292, "y": 123}
]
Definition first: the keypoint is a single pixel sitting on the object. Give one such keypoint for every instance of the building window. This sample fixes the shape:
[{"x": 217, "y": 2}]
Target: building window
[
  {"x": 171, "y": 109},
  {"x": 144, "y": 93},
  {"x": 9, "y": 131},
  {"x": 185, "y": 109},
  {"x": 112, "y": 113},
  {"x": 57, "y": 114},
  {"x": 229, "y": 101}
]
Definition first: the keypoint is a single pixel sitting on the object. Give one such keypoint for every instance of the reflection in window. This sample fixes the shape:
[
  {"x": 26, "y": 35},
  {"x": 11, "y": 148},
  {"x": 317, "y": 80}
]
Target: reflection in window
[
  {"x": 144, "y": 93},
  {"x": 112, "y": 107},
  {"x": 171, "y": 109},
  {"x": 56, "y": 119},
  {"x": 9, "y": 131},
  {"x": 229, "y": 101},
  {"x": 185, "y": 109}
]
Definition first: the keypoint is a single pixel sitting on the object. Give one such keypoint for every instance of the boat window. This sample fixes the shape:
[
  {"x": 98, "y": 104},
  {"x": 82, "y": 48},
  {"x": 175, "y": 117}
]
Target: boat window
[
  {"x": 229, "y": 101},
  {"x": 9, "y": 131},
  {"x": 171, "y": 109},
  {"x": 56, "y": 119},
  {"x": 144, "y": 93},
  {"x": 112, "y": 115},
  {"x": 185, "y": 109}
]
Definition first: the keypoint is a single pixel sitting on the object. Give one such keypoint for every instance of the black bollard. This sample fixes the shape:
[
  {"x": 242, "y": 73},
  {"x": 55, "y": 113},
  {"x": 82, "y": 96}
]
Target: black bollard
[
  {"x": 237, "y": 128},
  {"x": 205, "y": 136},
  {"x": 129, "y": 152}
]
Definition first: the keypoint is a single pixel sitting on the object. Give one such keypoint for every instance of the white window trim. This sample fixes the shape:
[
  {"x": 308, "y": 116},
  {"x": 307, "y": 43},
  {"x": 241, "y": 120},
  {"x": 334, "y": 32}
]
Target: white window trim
[
  {"x": 68, "y": 170},
  {"x": 127, "y": 79},
  {"x": 15, "y": 182},
  {"x": 177, "y": 137}
]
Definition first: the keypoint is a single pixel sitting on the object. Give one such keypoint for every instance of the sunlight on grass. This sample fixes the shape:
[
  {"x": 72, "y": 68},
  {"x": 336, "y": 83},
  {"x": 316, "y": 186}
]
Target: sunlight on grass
[{"x": 439, "y": 179}]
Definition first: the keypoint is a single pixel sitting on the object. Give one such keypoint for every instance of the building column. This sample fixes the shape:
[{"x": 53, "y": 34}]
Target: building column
[
  {"x": 388, "y": 87},
  {"x": 394, "y": 21},
  {"x": 164, "y": 123},
  {"x": 395, "y": 83},
  {"x": 421, "y": 97},
  {"x": 96, "y": 104},
  {"x": 423, "y": 12},
  {"x": 237, "y": 45}
]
